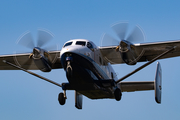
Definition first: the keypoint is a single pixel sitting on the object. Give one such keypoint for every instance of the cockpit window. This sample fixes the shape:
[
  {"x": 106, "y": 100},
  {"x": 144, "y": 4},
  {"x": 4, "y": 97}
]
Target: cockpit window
[
  {"x": 89, "y": 45},
  {"x": 81, "y": 43},
  {"x": 67, "y": 44}
]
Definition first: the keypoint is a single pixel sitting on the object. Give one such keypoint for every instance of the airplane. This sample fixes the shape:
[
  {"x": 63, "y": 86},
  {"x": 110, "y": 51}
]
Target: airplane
[{"x": 88, "y": 67}]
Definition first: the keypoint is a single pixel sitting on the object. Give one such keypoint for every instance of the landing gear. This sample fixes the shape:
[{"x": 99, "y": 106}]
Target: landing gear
[
  {"x": 62, "y": 98},
  {"x": 69, "y": 70},
  {"x": 117, "y": 94}
]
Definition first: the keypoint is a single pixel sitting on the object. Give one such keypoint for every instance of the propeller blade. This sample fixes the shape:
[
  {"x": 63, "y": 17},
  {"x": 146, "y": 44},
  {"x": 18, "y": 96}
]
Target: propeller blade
[
  {"x": 26, "y": 40},
  {"x": 27, "y": 64},
  {"x": 24, "y": 62},
  {"x": 43, "y": 37},
  {"x": 108, "y": 40},
  {"x": 136, "y": 35},
  {"x": 120, "y": 29},
  {"x": 51, "y": 48}
]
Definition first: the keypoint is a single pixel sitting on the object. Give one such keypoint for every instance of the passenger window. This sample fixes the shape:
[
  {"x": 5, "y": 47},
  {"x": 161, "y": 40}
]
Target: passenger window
[
  {"x": 90, "y": 46},
  {"x": 67, "y": 44},
  {"x": 81, "y": 43}
]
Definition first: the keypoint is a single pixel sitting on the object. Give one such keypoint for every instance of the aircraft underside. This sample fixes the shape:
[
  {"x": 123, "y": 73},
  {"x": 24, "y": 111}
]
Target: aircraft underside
[{"x": 84, "y": 77}]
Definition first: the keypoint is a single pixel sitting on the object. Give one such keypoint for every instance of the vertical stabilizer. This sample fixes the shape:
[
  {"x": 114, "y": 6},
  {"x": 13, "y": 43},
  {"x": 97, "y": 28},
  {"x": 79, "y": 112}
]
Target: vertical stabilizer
[
  {"x": 158, "y": 83},
  {"x": 78, "y": 100}
]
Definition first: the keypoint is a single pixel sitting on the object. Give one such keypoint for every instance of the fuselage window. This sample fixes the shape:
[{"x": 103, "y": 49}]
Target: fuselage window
[
  {"x": 68, "y": 44},
  {"x": 81, "y": 43},
  {"x": 90, "y": 46}
]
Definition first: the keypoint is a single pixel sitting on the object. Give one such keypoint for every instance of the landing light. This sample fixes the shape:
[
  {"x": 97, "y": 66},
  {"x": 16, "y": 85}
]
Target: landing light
[{"x": 68, "y": 58}]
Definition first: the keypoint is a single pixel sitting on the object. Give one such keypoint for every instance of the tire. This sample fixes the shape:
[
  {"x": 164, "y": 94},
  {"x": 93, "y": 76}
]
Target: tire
[
  {"x": 61, "y": 99},
  {"x": 117, "y": 94}
]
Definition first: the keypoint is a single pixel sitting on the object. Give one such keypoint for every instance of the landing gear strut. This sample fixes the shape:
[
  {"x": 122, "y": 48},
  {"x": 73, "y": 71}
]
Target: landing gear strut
[
  {"x": 62, "y": 98},
  {"x": 117, "y": 94}
]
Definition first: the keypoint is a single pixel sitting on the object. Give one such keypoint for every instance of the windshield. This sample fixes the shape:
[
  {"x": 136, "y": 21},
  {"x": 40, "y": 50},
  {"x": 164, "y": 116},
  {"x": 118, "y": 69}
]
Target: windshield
[
  {"x": 67, "y": 44},
  {"x": 83, "y": 43},
  {"x": 89, "y": 45}
]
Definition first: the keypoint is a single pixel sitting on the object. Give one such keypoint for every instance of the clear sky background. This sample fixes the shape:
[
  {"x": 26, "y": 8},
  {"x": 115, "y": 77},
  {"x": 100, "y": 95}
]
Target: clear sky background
[{"x": 25, "y": 97}]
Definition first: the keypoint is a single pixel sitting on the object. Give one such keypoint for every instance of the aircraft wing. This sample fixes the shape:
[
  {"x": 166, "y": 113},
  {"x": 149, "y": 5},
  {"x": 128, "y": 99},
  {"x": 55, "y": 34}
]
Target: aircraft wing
[
  {"x": 150, "y": 51},
  {"x": 136, "y": 86},
  {"x": 25, "y": 62}
]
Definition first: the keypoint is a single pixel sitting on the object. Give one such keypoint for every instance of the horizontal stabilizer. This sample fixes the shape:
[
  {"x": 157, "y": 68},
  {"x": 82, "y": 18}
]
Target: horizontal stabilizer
[{"x": 136, "y": 86}]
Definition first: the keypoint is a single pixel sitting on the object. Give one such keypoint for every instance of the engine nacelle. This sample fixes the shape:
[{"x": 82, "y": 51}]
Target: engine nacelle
[
  {"x": 42, "y": 64},
  {"x": 42, "y": 59},
  {"x": 127, "y": 52}
]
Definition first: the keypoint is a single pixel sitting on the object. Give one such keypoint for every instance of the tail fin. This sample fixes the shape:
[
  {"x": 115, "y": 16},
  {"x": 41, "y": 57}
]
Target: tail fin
[
  {"x": 78, "y": 100},
  {"x": 158, "y": 83}
]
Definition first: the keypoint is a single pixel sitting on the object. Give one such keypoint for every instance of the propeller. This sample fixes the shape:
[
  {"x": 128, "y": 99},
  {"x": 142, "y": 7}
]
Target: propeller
[
  {"x": 125, "y": 42},
  {"x": 43, "y": 38},
  {"x": 26, "y": 40},
  {"x": 136, "y": 36}
]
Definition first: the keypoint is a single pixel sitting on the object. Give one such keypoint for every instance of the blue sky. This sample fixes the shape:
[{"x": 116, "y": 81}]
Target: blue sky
[{"x": 23, "y": 96}]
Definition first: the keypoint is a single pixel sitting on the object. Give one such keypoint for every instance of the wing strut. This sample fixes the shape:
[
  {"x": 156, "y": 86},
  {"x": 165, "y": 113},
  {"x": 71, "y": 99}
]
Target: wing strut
[
  {"x": 48, "y": 80},
  {"x": 146, "y": 64}
]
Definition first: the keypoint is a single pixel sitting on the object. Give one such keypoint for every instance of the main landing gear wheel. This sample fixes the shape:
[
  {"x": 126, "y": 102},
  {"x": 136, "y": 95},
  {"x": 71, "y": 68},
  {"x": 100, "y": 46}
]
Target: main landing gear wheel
[
  {"x": 61, "y": 99},
  {"x": 117, "y": 94}
]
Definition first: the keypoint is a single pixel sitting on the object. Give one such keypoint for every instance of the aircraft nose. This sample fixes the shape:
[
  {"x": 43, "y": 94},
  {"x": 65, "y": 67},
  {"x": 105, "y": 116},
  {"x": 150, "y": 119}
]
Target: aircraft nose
[
  {"x": 68, "y": 49},
  {"x": 65, "y": 57}
]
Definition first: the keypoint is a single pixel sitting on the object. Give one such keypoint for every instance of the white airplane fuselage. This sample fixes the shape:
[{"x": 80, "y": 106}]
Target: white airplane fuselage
[{"x": 86, "y": 70}]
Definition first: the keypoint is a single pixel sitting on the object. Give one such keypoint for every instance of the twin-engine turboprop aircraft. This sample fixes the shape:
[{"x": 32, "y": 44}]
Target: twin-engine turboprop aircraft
[{"x": 88, "y": 67}]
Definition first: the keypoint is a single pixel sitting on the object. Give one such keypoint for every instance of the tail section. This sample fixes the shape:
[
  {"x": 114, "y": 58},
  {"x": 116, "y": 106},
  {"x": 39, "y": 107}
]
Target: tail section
[
  {"x": 158, "y": 83},
  {"x": 78, "y": 100}
]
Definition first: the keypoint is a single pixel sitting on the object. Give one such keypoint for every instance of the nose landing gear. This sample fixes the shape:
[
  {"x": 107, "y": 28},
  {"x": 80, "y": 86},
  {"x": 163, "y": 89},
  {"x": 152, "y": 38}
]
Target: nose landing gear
[{"x": 69, "y": 70}]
